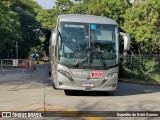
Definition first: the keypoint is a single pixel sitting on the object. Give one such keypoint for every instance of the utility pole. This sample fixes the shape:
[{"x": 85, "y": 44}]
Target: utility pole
[{"x": 16, "y": 50}]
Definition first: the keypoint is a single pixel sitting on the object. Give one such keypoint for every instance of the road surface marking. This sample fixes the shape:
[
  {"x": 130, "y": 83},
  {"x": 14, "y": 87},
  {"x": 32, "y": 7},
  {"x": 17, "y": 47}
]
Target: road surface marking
[
  {"x": 73, "y": 113},
  {"x": 24, "y": 106},
  {"x": 68, "y": 111},
  {"x": 42, "y": 109}
]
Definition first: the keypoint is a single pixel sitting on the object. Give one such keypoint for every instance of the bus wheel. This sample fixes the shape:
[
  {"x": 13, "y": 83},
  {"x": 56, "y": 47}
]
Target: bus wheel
[
  {"x": 53, "y": 86},
  {"x": 112, "y": 93},
  {"x": 69, "y": 92}
]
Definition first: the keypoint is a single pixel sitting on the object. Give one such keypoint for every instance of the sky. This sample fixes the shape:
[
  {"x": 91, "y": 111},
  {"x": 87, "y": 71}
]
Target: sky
[{"x": 48, "y": 4}]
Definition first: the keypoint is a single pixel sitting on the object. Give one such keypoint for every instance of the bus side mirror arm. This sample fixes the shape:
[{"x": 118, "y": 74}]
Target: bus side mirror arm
[{"x": 54, "y": 38}]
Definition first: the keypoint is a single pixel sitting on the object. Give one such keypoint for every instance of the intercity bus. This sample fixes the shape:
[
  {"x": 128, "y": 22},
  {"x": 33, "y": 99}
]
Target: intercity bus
[{"x": 84, "y": 53}]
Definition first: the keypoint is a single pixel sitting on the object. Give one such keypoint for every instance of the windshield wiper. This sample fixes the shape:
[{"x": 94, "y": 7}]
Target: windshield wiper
[
  {"x": 101, "y": 58},
  {"x": 77, "y": 62}
]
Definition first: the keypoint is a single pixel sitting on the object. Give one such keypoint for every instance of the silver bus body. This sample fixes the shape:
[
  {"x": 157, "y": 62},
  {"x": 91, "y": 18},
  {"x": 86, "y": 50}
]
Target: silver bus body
[{"x": 84, "y": 53}]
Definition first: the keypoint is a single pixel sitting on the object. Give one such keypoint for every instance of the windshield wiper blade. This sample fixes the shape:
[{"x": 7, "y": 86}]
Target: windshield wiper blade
[
  {"x": 77, "y": 62},
  {"x": 101, "y": 58}
]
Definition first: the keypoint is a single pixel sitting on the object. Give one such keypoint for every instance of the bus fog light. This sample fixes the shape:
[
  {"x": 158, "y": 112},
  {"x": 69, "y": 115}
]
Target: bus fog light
[{"x": 110, "y": 76}]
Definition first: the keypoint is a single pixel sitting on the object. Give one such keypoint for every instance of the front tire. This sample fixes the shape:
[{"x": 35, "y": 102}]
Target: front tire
[
  {"x": 69, "y": 92},
  {"x": 53, "y": 86},
  {"x": 112, "y": 93}
]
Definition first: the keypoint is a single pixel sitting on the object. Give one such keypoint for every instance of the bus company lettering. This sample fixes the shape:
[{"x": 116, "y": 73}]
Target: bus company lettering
[{"x": 96, "y": 74}]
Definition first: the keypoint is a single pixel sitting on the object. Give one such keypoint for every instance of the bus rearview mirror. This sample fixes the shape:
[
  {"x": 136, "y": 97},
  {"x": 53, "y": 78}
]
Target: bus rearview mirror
[
  {"x": 54, "y": 38},
  {"x": 127, "y": 41}
]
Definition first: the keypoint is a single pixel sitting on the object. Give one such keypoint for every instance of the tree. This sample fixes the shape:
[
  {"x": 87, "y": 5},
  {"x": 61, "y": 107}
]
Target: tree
[
  {"x": 110, "y": 8},
  {"x": 142, "y": 22},
  {"x": 78, "y": 8},
  {"x": 47, "y": 18},
  {"x": 9, "y": 28},
  {"x": 63, "y": 6},
  {"x": 30, "y": 27}
]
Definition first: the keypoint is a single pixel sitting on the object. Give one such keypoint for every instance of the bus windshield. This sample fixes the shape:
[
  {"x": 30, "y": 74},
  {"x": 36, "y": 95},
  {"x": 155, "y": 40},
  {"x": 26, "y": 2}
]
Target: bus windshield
[{"x": 88, "y": 44}]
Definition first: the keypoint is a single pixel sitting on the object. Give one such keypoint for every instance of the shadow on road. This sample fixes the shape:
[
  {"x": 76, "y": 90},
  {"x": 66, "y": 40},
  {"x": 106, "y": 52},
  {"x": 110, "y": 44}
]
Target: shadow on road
[
  {"x": 16, "y": 81},
  {"x": 40, "y": 76},
  {"x": 123, "y": 89}
]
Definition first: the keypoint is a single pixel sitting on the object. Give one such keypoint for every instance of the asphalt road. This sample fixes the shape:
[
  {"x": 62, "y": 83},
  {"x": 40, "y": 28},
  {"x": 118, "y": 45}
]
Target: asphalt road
[{"x": 33, "y": 92}]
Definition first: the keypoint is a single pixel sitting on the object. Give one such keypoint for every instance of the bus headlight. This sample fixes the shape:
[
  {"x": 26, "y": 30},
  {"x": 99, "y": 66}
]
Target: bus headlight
[
  {"x": 67, "y": 74},
  {"x": 110, "y": 76}
]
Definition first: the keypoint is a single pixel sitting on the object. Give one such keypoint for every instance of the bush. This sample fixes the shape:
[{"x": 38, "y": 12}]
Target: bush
[{"x": 141, "y": 68}]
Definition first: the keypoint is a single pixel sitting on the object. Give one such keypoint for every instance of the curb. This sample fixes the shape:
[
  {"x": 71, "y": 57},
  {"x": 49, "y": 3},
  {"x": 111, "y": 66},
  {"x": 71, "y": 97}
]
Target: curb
[{"x": 139, "y": 82}]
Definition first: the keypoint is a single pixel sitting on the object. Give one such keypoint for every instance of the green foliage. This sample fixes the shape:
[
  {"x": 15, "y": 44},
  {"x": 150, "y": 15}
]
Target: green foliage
[
  {"x": 30, "y": 27},
  {"x": 136, "y": 74},
  {"x": 142, "y": 22},
  {"x": 9, "y": 26},
  {"x": 144, "y": 69},
  {"x": 47, "y": 18},
  {"x": 149, "y": 66},
  {"x": 63, "y": 6},
  {"x": 19, "y": 24},
  {"x": 109, "y": 8},
  {"x": 157, "y": 77},
  {"x": 79, "y": 8},
  {"x": 37, "y": 49}
]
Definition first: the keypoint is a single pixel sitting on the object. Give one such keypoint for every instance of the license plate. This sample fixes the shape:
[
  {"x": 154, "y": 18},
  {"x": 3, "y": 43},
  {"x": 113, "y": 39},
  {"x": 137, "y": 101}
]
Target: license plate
[
  {"x": 87, "y": 88},
  {"x": 87, "y": 84}
]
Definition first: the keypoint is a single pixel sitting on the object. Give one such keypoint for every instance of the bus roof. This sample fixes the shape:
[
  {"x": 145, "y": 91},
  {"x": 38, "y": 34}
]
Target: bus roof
[{"x": 86, "y": 19}]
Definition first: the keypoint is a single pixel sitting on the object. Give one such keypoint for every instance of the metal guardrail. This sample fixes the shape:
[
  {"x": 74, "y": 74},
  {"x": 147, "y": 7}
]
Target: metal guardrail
[{"x": 16, "y": 64}]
